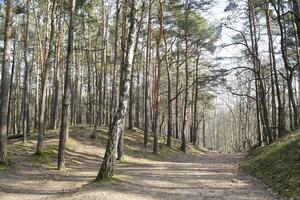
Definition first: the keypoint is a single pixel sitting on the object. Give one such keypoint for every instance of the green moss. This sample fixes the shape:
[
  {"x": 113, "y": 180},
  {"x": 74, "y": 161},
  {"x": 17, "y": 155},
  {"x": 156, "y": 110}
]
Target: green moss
[
  {"x": 278, "y": 165},
  {"x": 107, "y": 181},
  {"x": 47, "y": 156}
]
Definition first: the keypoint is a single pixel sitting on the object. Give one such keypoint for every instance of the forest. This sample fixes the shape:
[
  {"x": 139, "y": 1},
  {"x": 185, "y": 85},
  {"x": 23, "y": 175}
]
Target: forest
[{"x": 156, "y": 99}]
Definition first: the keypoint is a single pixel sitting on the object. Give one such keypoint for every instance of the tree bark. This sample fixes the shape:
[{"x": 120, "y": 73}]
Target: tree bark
[
  {"x": 123, "y": 47},
  {"x": 183, "y": 137},
  {"x": 107, "y": 167},
  {"x": 158, "y": 76},
  {"x": 25, "y": 120},
  {"x": 45, "y": 74},
  {"x": 67, "y": 87},
  {"x": 11, "y": 87},
  {"x": 148, "y": 62},
  {"x": 56, "y": 86},
  {"x": 5, "y": 80}
]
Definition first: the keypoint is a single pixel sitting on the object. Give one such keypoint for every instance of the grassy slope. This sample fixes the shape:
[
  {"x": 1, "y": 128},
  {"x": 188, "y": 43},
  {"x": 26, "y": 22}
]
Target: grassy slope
[{"x": 278, "y": 165}]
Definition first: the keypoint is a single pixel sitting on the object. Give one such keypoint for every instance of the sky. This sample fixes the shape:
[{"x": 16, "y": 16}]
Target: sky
[
  {"x": 218, "y": 10},
  {"x": 216, "y": 15}
]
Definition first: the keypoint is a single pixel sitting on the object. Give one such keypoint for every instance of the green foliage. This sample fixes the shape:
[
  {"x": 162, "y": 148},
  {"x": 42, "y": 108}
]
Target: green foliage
[
  {"x": 19, "y": 9},
  {"x": 186, "y": 18},
  {"x": 278, "y": 165}
]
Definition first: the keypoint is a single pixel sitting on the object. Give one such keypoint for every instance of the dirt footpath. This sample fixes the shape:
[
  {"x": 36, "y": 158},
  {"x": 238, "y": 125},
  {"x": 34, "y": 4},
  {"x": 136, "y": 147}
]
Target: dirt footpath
[{"x": 207, "y": 176}]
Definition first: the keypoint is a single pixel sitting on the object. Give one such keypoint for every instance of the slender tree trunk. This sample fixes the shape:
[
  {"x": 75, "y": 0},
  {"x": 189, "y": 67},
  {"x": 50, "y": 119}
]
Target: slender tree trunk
[
  {"x": 113, "y": 91},
  {"x": 123, "y": 46},
  {"x": 183, "y": 137},
  {"x": 196, "y": 103},
  {"x": 107, "y": 167},
  {"x": 26, "y": 73},
  {"x": 67, "y": 87},
  {"x": 148, "y": 62},
  {"x": 5, "y": 80},
  {"x": 158, "y": 77},
  {"x": 170, "y": 114},
  {"x": 290, "y": 70},
  {"x": 137, "y": 107},
  {"x": 281, "y": 117},
  {"x": 204, "y": 130},
  {"x": 260, "y": 88},
  {"x": 42, "y": 103},
  {"x": 177, "y": 91},
  {"x": 54, "y": 102},
  {"x": 11, "y": 86},
  {"x": 131, "y": 98},
  {"x": 100, "y": 74}
]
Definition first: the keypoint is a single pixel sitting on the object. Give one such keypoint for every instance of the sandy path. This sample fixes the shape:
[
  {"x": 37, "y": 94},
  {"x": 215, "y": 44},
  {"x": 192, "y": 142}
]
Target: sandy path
[{"x": 209, "y": 176}]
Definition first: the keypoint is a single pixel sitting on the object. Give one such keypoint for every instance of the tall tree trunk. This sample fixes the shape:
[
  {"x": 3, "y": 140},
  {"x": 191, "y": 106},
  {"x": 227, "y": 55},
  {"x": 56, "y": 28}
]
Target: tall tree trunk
[
  {"x": 183, "y": 137},
  {"x": 5, "y": 80},
  {"x": 25, "y": 120},
  {"x": 107, "y": 167},
  {"x": 158, "y": 76},
  {"x": 67, "y": 87},
  {"x": 99, "y": 80},
  {"x": 177, "y": 91},
  {"x": 170, "y": 114},
  {"x": 123, "y": 46},
  {"x": 42, "y": 103},
  {"x": 204, "y": 130},
  {"x": 11, "y": 86},
  {"x": 137, "y": 107},
  {"x": 131, "y": 98},
  {"x": 290, "y": 70},
  {"x": 196, "y": 103},
  {"x": 113, "y": 91},
  {"x": 260, "y": 88},
  {"x": 281, "y": 118},
  {"x": 54, "y": 101},
  {"x": 148, "y": 62},
  {"x": 169, "y": 102}
]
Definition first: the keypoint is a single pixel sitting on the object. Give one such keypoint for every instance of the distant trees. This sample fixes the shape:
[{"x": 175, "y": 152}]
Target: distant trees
[
  {"x": 42, "y": 95},
  {"x": 268, "y": 78}
]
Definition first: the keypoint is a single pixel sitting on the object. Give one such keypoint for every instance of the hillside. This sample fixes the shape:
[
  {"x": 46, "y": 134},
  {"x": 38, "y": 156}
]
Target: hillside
[{"x": 278, "y": 165}]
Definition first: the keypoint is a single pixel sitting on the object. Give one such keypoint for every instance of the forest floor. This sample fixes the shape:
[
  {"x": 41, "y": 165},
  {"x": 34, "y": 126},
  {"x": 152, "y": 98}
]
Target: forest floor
[{"x": 171, "y": 175}]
